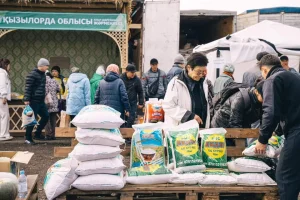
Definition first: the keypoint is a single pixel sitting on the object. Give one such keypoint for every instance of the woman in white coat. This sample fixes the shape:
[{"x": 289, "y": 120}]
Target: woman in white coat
[
  {"x": 189, "y": 95},
  {"x": 5, "y": 95}
]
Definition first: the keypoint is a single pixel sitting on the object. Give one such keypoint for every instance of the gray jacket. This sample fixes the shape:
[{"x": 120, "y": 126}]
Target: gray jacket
[
  {"x": 149, "y": 78},
  {"x": 251, "y": 75},
  {"x": 174, "y": 71},
  {"x": 222, "y": 81}
]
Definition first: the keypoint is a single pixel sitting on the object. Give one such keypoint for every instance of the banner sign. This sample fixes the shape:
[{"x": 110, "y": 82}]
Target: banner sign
[{"x": 62, "y": 21}]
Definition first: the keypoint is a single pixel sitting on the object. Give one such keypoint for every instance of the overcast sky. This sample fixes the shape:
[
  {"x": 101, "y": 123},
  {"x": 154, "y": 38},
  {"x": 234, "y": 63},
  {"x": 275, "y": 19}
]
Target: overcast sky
[{"x": 235, "y": 5}]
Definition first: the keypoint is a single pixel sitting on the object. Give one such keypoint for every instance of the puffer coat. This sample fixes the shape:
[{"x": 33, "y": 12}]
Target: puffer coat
[
  {"x": 112, "y": 92},
  {"x": 79, "y": 93},
  {"x": 52, "y": 88},
  {"x": 35, "y": 87},
  {"x": 235, "y": 114}
]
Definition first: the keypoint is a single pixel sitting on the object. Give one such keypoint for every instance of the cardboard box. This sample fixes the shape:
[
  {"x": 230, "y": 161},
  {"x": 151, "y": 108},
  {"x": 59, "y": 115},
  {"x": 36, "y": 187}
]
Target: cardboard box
[{"x": 16, "y": 158}]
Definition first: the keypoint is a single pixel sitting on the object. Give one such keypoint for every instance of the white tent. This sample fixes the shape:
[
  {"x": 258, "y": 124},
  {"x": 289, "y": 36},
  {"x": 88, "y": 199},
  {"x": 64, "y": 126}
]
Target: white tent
[{"x": 243, "y": 46}]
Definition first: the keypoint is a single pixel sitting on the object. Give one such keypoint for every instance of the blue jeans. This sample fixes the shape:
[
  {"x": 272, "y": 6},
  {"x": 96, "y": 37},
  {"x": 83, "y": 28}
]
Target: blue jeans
[{"x": 41, "y": 110}]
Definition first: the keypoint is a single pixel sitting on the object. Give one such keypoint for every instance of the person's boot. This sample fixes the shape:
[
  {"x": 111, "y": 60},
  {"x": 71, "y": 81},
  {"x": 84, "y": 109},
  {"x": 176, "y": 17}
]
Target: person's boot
[
  {"x": 38, "y": 136},
  {"x": 30, "y": 142}
]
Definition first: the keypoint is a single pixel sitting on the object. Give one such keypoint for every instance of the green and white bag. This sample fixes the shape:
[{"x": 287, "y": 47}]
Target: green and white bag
[
  {"x": 185, "y": 148},
  {"x": 273, "y": 150},
  {"x": 213, "y": 144},
  {"x": 170, "y": 162}
]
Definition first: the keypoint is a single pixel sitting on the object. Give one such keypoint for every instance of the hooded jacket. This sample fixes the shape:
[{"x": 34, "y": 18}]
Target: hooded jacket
[
  {"x": 222, "y": 81},
  {"x": 35, "y": 87},
  {"x": 174, "y": 71},
  {"x": 149, "y": 78},
  {"x": 134, "y": 88},
  {"x": 78, "y": 93},
  {"x": 5, "y": 85},
  {"x": 112, "y": 92},
  {"x": 178, "y": 104},
  {"x": 281, "y": 103},
  {"x": 95, "y": 80},
  {"x": 234, "y": 113}
]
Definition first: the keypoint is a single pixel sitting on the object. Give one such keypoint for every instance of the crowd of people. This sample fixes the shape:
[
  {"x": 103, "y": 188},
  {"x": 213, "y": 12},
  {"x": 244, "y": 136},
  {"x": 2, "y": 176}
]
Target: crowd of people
[{"x": 268, "y": 98}]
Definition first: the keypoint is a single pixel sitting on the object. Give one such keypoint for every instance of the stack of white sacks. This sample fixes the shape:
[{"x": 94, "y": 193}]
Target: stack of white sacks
[{"x": 95, "y": 163}]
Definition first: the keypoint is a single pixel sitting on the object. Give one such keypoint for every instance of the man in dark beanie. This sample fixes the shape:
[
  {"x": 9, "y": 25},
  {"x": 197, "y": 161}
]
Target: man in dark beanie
[
  {"x": 281, "y": 105},
  {"x": 253, "y": 73},
  {"x": 56, "y": 73},
  {"x": 34, "y": 96}
]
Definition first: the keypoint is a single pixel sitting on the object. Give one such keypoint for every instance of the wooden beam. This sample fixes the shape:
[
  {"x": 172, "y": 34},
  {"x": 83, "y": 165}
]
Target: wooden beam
[
  {"x": 135, "y": 26},
  {"x": 62, "y": 152},
  {"x": 127, "y": 133}
]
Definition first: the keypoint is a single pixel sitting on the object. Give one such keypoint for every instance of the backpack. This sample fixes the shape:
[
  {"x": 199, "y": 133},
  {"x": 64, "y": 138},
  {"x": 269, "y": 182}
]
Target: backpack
[
  {"x": 153, "y": 88},
  {"x": 227, "y": 92}
]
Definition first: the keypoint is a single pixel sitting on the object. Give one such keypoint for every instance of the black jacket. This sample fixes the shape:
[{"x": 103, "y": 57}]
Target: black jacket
[
  {"x": 35, "y": 89},
  {"x": 234, "y": 113},
  {"x": 112, "y": 92},
  {"x": 281, "y": 103},
  {"x": 133, "y": 87}
]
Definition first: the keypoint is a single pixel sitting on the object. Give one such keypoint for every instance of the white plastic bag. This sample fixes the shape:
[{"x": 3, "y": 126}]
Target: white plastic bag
[
  {"x": 98, "y": 116},
  {"x": 84, "y": 152},
  {"x": 106, "y": 137},
  {"x": 28, "y": 117},
  {"x": 260, "y": 179},
  {"x": 218, "y": 177},
  {"x": 100, "y": 182},
  {"x": 103, "y": 166},
  {"x": 249, "y": 165},
  {"x": 188, "y": 179},
  {"x": 273, "y": 150},
  {"x": 59, "y": 177}
]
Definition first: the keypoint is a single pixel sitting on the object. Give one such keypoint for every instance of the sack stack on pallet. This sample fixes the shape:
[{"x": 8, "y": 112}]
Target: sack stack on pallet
[
  {"x": 95, "y": 163},
  {"x": 252, "y": 169},
  {"x": 98, "y": 152}
]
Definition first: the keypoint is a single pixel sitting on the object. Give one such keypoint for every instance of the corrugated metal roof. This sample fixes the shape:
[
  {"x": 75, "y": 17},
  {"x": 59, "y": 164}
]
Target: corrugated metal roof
[{"x": 276, "y": 10}]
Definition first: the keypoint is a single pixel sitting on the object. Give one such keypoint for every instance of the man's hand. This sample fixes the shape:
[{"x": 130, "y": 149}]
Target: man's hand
[
  {"x": 140, "y": 106},
  {"x": 260, "y": 148},
  {"x": 4, "y": 101},
  {"x": 198, "y": 119},
  {"x": 26, "y": 103},
  {"x": 127, "y": 114}
]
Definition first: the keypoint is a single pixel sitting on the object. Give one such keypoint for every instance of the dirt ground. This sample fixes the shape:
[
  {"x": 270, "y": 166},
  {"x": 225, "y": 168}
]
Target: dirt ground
[{"x": 42, "y": 159}]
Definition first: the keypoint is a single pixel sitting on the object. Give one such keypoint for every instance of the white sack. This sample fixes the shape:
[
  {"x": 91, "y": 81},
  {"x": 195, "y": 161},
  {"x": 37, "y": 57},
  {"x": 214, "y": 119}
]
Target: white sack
[
  {"x": 259, "y": 179},
  {"x": 247, "y": 165},
  {"x": 188, "y": 179}
]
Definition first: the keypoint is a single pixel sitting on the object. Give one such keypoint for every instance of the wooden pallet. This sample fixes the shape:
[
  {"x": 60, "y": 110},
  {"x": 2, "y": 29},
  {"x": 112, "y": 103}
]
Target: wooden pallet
[{"x": 192, "y": 192}]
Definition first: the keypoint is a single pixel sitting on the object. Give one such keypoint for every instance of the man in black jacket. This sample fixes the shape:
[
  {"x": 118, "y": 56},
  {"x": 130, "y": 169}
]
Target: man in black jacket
[
  {"x": 281, "y": 104},
  {"x": 34, "y": 96},
  {"x": 134, "y": 89}
]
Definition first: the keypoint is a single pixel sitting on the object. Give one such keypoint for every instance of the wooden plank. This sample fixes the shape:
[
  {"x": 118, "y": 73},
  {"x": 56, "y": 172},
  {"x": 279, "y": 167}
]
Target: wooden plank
[
  {"x": 135, "y": 26},
  {"x": 127, "y": 132},
  {"x": 31, "y": 185},
  {"x": 240, "y": 143},
  {"x": 191, "y": 196},
  {"x": 67, "y": 132},
  {"x": 126, "y": 196},
  {"x": 210, "y": 196},
  {"x": 235, "y": 151},
  {"x": 74, "y": 142},
  {"x": 62, "y": 152}
]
